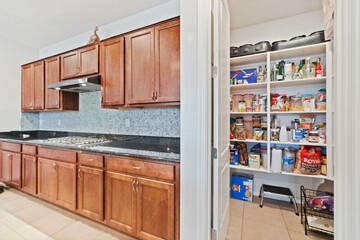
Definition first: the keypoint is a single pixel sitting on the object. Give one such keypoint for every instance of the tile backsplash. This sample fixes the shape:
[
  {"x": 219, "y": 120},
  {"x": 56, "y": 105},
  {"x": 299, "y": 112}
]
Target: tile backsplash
[{"x": 162, "y": 122}]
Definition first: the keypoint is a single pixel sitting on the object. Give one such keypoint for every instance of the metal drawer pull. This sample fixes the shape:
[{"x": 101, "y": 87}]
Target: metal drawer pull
[
  {"x": 9, "y": 156},
  {"x": 136, "y": 167},
  {"x": 133, "y": 185},
  {"x": 137, "y": 186},
  {"x": 90, "y": 159},
  {"x": 79, "y": 173}
]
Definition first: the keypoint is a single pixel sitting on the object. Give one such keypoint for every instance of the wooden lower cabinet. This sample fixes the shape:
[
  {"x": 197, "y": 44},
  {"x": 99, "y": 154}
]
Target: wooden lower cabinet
[
  {"x": 139, "y": 206},
  {"x": 90, "y": 190},
  {"x": 29, "y": 174},
  {"x": 11, "y": 168},
  {"x": 57, "y": 182},
  {"x": 65, "y": 185},
  {"x": 46, "y": 179},
  {"x": 120, "y": 202},
  {"x": 155, "y": 209}
]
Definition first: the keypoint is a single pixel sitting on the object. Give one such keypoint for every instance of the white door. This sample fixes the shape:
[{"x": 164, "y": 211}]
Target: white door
[{"x": 221, "y": 115}]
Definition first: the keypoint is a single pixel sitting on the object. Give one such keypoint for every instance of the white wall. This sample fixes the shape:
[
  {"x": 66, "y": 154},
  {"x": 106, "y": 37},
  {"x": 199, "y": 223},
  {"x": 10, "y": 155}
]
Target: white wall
[
  {"x": 12, "y": 56},
  {"x": 281, "y": 29},
  {"x": 148, "y": 17}
]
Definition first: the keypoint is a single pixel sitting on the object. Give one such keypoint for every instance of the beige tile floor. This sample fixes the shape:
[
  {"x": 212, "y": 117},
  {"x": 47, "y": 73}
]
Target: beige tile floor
[
  {"x": 275, "y": 221},
  {"x": 25, "y": 217}
]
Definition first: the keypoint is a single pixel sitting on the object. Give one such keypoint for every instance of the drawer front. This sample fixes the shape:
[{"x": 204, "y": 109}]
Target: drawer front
[
  {"x": 13, "y": 147},
  {"x": 57, "y": 154},
  {"x": 91, "y": 160},
  {"x": 139, "y": 167},
  {"x": 29, "y": 150}
]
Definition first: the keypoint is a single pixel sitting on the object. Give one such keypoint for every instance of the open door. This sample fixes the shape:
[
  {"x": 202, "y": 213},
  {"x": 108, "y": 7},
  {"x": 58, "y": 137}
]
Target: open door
[{"x": 221, "y": 115}]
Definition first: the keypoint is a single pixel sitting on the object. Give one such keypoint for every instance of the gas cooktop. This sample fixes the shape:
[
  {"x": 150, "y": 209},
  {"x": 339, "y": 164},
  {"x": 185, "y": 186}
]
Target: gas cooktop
[{"x": 77, "y": 141}]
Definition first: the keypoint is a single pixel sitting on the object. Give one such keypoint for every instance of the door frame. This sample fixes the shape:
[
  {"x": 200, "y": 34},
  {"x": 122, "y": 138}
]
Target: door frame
[
  {"x": 347, "y": 130},
  {"x": 195, "y": 117}
]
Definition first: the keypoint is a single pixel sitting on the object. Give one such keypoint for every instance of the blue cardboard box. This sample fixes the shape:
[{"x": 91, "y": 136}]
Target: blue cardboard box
[
  {"x": 242, "y": 186},
  {"x": 234, "y": 156},
  {"x": 243, "y": 76}
]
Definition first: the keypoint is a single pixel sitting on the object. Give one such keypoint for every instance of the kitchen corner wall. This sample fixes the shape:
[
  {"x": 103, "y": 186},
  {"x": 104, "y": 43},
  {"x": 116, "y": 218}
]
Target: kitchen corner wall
[{"x": 162, "y": 122}]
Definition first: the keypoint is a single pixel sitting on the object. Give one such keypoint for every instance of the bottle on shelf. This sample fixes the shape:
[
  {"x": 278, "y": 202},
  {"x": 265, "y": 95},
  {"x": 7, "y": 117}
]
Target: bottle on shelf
[
  {"x": 318, "y": 68},
  {"x": 265, "y": 74},
  {"x": 260, "y": 75}
]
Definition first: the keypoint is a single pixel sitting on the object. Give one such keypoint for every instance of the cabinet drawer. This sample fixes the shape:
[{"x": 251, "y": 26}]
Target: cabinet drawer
[
  {"x": 58, "y": 154},
  {"x": 13, "y": 147},
  {"x": 91, "y": 160},
  {"x": 136, "y": 166},
  {"x": 29, "y": 150}
]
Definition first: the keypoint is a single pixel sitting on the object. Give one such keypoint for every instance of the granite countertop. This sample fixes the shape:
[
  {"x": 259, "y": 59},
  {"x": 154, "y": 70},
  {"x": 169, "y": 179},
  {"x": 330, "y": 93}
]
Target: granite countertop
[{"x": 155, "y": 148}]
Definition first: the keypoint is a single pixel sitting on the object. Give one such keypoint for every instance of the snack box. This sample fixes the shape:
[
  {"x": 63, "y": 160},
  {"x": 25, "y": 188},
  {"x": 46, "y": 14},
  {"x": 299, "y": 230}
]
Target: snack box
[
  {"x": 234, "y": 156},
  {"x": 244, "y": 76},
  {"x": 254, "y": 160},
  {"x": 242, "y": 186}
]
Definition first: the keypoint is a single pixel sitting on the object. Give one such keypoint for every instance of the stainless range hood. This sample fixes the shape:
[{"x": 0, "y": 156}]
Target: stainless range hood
[{"x": 79, "y": 85}]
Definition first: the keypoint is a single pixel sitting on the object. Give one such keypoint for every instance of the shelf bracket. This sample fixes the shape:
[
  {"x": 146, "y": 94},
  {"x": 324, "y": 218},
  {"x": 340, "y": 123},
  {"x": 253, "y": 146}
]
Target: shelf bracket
[{"x": 214, "y": 71}]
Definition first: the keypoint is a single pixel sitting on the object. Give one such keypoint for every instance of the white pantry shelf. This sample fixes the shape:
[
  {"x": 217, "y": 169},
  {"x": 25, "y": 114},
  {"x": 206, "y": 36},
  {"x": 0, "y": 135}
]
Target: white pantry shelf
[
  {"x": 249, "y": 59},
  {"x": 262, "y": 85},
  {"x": 303, "y": 51},
  {"x": 298, "y": 82},
  {"x": 247, "y": 141},
  {"x": 241, "y": 167},
  {"x": 297, "y": 112},
  {"x": 248, "y": 113},
  {"x": 299, "y": 143}
]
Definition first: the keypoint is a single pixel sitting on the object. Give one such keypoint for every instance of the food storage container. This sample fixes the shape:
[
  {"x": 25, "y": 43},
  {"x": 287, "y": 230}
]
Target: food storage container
[
  {"x": 248, "y": 99},
  {"x": 248, "y": 124}
]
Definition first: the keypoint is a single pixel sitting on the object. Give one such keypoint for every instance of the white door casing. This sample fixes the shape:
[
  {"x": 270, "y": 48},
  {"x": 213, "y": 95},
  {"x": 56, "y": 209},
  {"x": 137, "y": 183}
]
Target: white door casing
[{"x": 221, "y": 115}]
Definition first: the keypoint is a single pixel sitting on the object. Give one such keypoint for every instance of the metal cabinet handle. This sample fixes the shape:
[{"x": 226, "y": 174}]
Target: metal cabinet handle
[
  {"x": 90, "y": 159},
  {"x": 136, "y": 167},
  {"x": 9, "y": 156},
  {"x": 54, "y": 165},
  {"x": 137, "y": 186},
  {"x": 156, "y": 95},
  {"x": 153, "y": 95},
  {"x": 133, "y": 185},
  {"x": 79, "y": 176}
]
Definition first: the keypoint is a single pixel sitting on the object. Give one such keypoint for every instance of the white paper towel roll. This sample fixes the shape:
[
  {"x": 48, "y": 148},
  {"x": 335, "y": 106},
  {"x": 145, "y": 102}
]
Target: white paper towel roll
[{"x": 276, "y": 160}]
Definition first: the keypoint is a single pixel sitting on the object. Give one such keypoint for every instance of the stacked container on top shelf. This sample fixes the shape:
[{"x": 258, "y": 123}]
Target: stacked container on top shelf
[{"x": 283, "y": 117}]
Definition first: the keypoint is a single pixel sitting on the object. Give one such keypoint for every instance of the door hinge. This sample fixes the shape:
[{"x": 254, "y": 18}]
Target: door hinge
[
  {"x": 214, "y": 153},
  {"x": 213, "y": 234},
  {"x": 214, "y": 71}
]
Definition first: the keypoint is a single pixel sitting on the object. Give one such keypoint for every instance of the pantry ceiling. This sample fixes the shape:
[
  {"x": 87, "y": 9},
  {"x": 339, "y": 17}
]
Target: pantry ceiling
[
  {"x": 39, "y": 23},
  {"x": 246, "y": 13}
]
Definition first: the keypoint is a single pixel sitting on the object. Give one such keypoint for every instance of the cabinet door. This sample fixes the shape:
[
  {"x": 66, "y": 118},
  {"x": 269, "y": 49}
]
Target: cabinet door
[
  {"x": 46, "y": 179},
  {"x": 38, "y": 79},
  {"x": 139, "y": 55},
  {"x": 120, "y": 202},
  {"x": 27, "y": 92},
  {"x": 167, "y": 61},
  {"x": 91, "y": 192},
  {"x": 29, "y": 175},
  {"x": 88, "y": 60},
  {"x": 6, "y": 166},
  {"x": 112, "y": 71},
  {"x": 52, "y": 75},
  {"x": 69, "y": 65},
  {"x": 15, "y": 170},
  {"x": 65, "y": 185},
  {"x": 155, "y": 209}
]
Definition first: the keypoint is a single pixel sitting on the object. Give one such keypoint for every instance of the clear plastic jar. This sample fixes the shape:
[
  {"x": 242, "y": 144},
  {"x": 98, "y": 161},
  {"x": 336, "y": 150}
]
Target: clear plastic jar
[{"x": 248, "y": 124}]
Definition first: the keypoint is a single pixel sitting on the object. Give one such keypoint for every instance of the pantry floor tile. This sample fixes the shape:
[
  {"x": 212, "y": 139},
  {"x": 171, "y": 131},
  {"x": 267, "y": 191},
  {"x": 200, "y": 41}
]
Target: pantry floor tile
[{"x": 276, "y": 220}]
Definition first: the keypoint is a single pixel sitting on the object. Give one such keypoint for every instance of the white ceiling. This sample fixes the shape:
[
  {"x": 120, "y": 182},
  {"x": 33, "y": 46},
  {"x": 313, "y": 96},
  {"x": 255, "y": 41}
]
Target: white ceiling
[
  {"x": 250, "y": 12},
  {"x": 40, "y": 23}
]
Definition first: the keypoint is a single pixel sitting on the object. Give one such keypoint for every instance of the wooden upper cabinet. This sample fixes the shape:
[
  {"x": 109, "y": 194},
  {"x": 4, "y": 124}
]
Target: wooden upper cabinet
[
  {"x": 167, "y": 61},
  {"x": 54, "y": 99},
  {"x": 33, "y": 86},
  {"x": 139, "y": 64},
  {"x": 152, "y": 63},
  {"x": 27, "y": 101},
  {"x": 84, "y": 61},
  {"x": 112, "y": 71},
  {"x": 155, "y": 209},
  {"x": 52, "y": 75}
]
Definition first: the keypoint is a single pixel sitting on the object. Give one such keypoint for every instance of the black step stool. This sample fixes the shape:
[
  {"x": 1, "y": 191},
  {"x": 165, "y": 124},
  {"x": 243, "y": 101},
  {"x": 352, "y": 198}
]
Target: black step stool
[{"x": 277, "y": 190}]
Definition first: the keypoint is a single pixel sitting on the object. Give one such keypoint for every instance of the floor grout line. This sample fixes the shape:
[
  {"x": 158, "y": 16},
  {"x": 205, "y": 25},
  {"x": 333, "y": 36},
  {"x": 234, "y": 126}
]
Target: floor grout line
[{"x": 284, "y": 221}]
